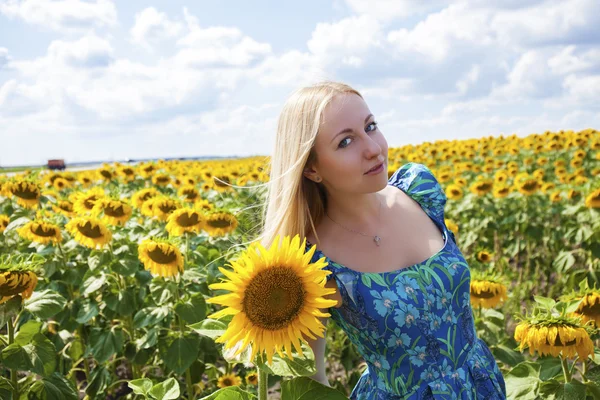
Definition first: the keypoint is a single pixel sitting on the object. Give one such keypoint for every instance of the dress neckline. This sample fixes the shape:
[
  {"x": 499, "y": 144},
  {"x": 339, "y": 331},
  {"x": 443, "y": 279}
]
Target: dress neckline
[{"x": 441, "y": 227}]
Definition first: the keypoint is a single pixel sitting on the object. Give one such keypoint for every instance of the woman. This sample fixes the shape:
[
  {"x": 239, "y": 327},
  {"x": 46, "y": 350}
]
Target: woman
[{"x": 402, "y": 283}]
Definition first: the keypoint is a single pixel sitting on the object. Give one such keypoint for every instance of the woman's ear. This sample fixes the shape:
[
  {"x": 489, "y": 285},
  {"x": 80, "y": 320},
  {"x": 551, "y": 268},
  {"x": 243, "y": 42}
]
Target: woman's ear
[{"x": 311, "y": 174}]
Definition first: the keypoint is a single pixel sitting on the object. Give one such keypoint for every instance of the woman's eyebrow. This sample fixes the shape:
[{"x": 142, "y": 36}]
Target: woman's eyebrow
[{"x": 349, "y": 129}]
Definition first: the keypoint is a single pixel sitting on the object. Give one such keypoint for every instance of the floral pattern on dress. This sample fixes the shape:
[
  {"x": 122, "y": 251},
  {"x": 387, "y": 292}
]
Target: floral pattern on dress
[{"x": 414, "y": 326}]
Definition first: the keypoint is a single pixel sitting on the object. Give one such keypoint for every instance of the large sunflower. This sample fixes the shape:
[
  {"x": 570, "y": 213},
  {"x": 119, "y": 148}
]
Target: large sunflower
[
  {"x": 160, "y": 207},
  {"x": 27, "y": 193},
  {"x": 89, "y": 231},
  {"x": 276, "y": 297},
  {"x": 160, "y": 257},
  {"x": 40, "y": 232},
  {"x": 115, "y": 212},
  {"x": 185, "y": 220},
  {"x": 554, "y": 339},
  {"x": 219, "y": 223},
  {"x": 17, "y": 278},
  {"x": 189, "y": 193}
]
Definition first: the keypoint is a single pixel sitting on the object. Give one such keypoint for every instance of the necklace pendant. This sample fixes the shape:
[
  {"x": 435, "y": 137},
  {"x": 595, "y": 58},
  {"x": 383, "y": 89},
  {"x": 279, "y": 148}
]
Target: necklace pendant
[{"x": 376, "y": 239}]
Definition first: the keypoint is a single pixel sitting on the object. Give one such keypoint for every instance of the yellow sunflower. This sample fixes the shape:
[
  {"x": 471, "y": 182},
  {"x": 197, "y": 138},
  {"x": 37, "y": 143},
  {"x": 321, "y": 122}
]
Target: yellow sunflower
[
  {"x": 89, "y": 232},
  {"x": 481, "y": 187},
  {"x": 229, "y": 380},
  {"x": 161, "y": 179},
  {"x": 4, "y": 221},
  {"x": 84, "y": 202},
  {"x": 554, "y": 338},
  {"x": 17, "y": 278},
  {"x": 528, "y": 186},
  {"x": 593, "y": 199},
  {"x": 276, "y": 297},
  {"x": 160, "y": 207},
  {"x": 160, "y": 257},
  {"x": 589, "y": 309},
  {"x": 115, "y": 212},
  {"x": 64, "y": 207},
  {"x": 40, "y": 232},
  {"x": 484, "y": 256},
  {"x": 185, "y": 220},
  {"x": 219, "y": 223},
  {"x": 252, "y": 378},
  {"x": 27, "y": 193},
  {"x": 61, "y": 183},
  {"x": 487, "y": 293},
  {"x": 139, "y": 198},
  {"x": 189, "y": 193}
]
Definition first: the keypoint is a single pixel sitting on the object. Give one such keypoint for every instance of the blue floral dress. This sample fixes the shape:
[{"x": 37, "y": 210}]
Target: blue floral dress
[{"x": 414, "y": 326}]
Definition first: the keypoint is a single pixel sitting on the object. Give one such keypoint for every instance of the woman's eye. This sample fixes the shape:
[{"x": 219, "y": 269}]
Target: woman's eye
[{"x": 348, "y": 137}]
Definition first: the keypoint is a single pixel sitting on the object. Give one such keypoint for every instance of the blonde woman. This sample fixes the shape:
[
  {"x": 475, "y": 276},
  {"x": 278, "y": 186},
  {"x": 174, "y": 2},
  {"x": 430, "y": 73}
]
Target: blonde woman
[{"x": 402, "y": 283}]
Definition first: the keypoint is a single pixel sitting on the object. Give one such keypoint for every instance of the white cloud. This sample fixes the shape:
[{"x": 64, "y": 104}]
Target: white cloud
[
  {"x": 4, "y": 57},
  {"x": 62, "y": 15},
  {"x": 470, "y": 78},
  {"x": 391, "y": 9},
  {"x": 346, "y": 42},
  {"x": 570, "y": 60},
  {"x": 151, "y": 25}
]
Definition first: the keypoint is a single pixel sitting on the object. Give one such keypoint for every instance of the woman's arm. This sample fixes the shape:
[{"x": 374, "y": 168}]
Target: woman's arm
[{"x": 318, "y": 348}]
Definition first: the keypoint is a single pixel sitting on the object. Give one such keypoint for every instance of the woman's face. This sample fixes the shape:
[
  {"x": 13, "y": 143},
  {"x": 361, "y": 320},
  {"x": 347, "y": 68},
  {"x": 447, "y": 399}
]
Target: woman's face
[{"x": 348, "y": 145}]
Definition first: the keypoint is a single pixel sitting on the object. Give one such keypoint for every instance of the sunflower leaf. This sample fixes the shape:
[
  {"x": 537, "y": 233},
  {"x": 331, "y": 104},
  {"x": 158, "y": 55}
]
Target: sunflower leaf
[
  {"x": 229, "y": 393},
  {"x": 166, "y": 390},
  {"x": 140, "y": 386},
  {"x": 17, "y": 223},
  {"x": 210, "y": 327},
  {"x": 180, "y": 352},
  {"x": 523, "y": 381},
  {"x": 304, "y": 388},
  {"x": 45, "y": 304},
  {"x": 55, "y": 387}
]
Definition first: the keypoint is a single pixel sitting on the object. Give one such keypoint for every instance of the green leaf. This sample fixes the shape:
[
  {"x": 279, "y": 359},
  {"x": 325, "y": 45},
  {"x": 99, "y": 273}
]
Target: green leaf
[
  {"x": 121, "y": 302},
  {"x": 42, "y": 355},
  {"x": 93, "y": 284},
  {"x": 77, "y": 349},
  {"x": 229, "y": 393},
  {"x": 564, "y": 261},
  {"x": 9, "y": 309},
  {"x": 45, "y": 304},
  {"x": 550, "y": 367},
  {"x": 148, "y": 340},
  {"x": 182, "y": 352},
  {"x": 523, "y": 381},
  {"x": 545, "y": 302},
  {"x": 166, "y": 390},
  {"x": 105, "y": 343},
  {"x": 555, "y": 390},
  {"x": 304, "y": 388},
  {"x": 27, "y": 331},
  {"x": 15, "y": 357},
  {"x": 53, "y": 388},
  {"x": 140, "y": 386},
  {"x": 507, "y": 355},
  {"x": 210, "y": 327},
  {"x": 99, "y": 381},
  {"x": 193, "y": 310},
  {"x": 88, "y": 310},
  {"x": 150, "y": 316},
  {"x": 6, "y": 388},
  {"x": 283, "y": 366},
  {"x": 17, "y": 223}
]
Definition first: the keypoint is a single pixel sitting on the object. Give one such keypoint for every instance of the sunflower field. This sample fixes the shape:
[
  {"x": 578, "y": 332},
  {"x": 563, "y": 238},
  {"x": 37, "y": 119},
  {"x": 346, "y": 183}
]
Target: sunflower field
[{"x": 145, "y": 281}]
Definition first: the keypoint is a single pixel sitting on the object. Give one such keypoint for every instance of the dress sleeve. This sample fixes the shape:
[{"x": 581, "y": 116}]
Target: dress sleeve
[{"x": 418, "y": 182}]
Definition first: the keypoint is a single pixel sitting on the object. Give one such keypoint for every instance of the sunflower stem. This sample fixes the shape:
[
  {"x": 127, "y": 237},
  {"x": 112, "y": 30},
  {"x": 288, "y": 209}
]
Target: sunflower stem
[
  {"x": 565, "y": 368},
  {"x": 13, "y": 372},
  {"x": 85, "y": 364},
  {"x": 263, "y": 378},
  {"x": 188, "y": 375}
]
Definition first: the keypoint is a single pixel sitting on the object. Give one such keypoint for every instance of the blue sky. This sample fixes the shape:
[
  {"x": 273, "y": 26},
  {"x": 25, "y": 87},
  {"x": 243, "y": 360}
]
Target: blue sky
[{"x": 107, "y": 80}]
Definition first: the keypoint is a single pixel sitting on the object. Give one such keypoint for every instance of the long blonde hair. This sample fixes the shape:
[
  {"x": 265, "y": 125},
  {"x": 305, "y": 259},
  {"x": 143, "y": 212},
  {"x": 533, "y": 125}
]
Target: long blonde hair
[{"x": 295, "y": 204}]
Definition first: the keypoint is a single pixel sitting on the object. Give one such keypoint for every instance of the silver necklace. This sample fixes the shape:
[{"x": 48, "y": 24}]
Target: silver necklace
[{"x": 376, "y": 238}]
